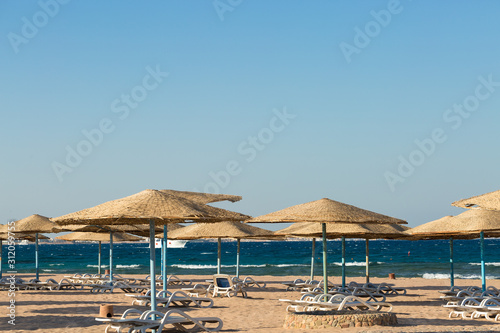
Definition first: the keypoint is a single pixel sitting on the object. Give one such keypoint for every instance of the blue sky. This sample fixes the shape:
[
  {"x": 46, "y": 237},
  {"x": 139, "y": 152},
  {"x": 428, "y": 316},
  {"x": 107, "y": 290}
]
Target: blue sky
[{"x": 256, "y": 98}]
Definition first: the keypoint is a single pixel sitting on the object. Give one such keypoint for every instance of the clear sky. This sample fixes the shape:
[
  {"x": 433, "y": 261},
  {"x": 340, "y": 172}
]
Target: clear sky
[{"x": 391, "y": 106}]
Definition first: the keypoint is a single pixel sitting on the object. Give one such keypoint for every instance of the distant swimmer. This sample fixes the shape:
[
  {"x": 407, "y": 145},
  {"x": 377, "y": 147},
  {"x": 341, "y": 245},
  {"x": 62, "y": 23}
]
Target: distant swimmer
[{"x": 408, "y": 253}]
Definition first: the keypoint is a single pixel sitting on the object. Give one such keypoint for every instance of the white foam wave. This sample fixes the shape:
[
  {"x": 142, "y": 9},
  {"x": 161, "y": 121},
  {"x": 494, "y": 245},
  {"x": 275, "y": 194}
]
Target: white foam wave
[
  {"x": 355, "y": 263},
  {"x": 207, "y": 253},
  {"x": 128, "y": 266},
  {"x": 95, "y": 266},
  {"x": 56, "y": 264},
  {"x": 456, "y": 276},
  {"x": 486, "y": 264},
  {"x": 432, "y": 276}
]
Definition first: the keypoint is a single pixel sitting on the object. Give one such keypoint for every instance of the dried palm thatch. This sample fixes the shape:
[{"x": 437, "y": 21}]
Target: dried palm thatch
[
  {"x": 326, "y": 211},
  {"x": 36, "y": 223},
  {"x": 349, "y": 230},
  {"x": 19, "y": 235},
  {"x": 466, "y": 225},
  {"x": 204, "y": 198},
  {"x": 489, "y": 201},
  {"x": 99, "y": 237},
  {"x": 226, "y": 229},
  {"x": 149, "y": 205}
]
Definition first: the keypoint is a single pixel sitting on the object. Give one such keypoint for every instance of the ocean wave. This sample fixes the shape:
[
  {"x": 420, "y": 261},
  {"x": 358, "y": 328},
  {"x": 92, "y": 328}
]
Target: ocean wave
[
  {"x": 357, "y": 263},
  {"x": 486, "y": 264},
  {"x": 207, "y": 253},
  {"x": 96, "y": 266},
  {"x": 193, "y": 266},
  {"x": 432, "y": 276},
  {"x": 56, "y": 264},
  {"x": 456, "y": 276},
  {"x": 48, "y": 270},
  {"x": 128, "y": 266}
]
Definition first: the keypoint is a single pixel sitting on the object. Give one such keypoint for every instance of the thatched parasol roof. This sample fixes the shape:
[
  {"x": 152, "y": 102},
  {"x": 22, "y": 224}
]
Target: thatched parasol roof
[
  {"x": 220, "y": 230},
  {"x": 489, "y": 201},
  {"x": 204, "y": 198},
  {"x": 92, "y": 236},
  {"x": 326, "y": 211},
  {"x": 466, "y": 225},
  {"x": 349, "y": 230},
  {"x": 148, "y": 205},
  {"x": 19, "y": 235},
  {"x": 36, "y": 223}
]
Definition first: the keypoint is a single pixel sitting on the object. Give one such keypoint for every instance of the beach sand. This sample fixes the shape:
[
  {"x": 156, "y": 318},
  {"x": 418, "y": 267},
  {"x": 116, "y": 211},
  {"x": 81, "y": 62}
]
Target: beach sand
[{"x": 69, "y": 310}]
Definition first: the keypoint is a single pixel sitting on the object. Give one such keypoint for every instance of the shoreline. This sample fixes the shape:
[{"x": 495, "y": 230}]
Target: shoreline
[{"x": 56, "y": 311}]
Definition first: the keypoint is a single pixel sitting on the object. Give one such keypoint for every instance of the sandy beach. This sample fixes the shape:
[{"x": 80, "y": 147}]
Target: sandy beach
[{"x": 70, "y": 310}]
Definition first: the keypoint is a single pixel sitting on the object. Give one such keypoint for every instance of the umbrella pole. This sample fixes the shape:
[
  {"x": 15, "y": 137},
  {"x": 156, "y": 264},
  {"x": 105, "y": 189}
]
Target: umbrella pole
[
  {"x": 1, "y": 244},
  {"x": 218, "y": 255},
  {"x": 152, "y": 264},
  {"x": 111, "y": 256},
  {"x": 312, "y": 257},
  {"x": 164, "y": 252},
  {"x": 343, "y": 262},
  {"x": 99, "y": 260},
  {"x": 483, "y": 273},
  {"x": 238, "y": 258},
  {"x": 36, "y": 256},
  {"x": 367, "y": 261},
  {"x": 452, "y": 274},
  {"x": 325, "y": 274}
]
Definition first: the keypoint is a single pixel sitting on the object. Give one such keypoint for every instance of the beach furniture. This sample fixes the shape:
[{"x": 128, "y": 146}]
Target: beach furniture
[
  {"x": 463, "y": 308},
  {"x": 134, "y": 320},
  {"x": 197, "y": 290},
  {"x": 304, "y": 285},
  {"x": 335, "y": 302},
  {"x": 249, "y": 282},
  {"x": 111, "y": 286},
  {"x": 224, "y": 285},
  {"x": 384, "y": 288},
  {"x": 167, "y": 299},
  {"x": 453, "y": 291},
  {"x": 489, "y": 308}
]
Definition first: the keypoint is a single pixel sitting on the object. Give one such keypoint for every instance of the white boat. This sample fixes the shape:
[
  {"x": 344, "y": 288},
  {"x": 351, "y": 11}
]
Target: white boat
[{"x": 171, "y": 243}]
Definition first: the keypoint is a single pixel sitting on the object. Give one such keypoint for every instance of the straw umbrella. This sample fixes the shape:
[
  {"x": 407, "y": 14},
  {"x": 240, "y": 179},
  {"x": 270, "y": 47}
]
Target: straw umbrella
[
  {"x": 221, "y": 230},
  {"x": 4, "y": 235},
  {"x": 153, "y": 207},
  {"x": 35, "y": 224},
  {"x": 466, "y": 225},
  {"x": 348, "y": 230},
  {"x": 204, "y": 198},
  {"x": 99, "y": 237},
  {"x": 326, "y": 211},
  {"x": 490, "y": 201}
]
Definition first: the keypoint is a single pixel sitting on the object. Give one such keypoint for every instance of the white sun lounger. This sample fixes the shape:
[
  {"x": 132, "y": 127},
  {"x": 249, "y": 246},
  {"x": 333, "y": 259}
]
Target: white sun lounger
[
  {"x": 168, "y": 299},
  {"x": 131, "y": 322}
]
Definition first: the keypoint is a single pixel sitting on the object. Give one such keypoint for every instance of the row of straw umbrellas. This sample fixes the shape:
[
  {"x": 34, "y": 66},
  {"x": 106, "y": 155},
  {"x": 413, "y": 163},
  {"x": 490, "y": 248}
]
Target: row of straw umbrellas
[{"x": 160, "y": 208}]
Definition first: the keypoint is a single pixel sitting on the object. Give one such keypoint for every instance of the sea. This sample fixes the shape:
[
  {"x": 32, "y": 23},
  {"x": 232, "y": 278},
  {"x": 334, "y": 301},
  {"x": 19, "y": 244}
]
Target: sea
[{"x": 428, "y": 259}]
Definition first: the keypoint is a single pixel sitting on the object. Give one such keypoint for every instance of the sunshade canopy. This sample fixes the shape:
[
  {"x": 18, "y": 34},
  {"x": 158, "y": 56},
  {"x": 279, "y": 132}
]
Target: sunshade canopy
[
  {"x": 326, "y": 211},
  {"x": 148, "y": 205},
  {"x": 466, "y": 225},
  {"x": 349, "y": 230},
  {"x": 489, "y": 201},
  {"x": 101, "y": 237},
  {"x": 204, "y": 198},
  {"x": 224, "y": 229},
  {"x": 36, "y": 223}
]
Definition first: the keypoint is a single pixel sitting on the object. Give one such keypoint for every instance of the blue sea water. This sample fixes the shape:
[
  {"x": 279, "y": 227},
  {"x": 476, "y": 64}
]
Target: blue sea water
[{"x": 428, "y": 259}]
